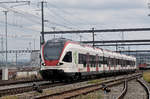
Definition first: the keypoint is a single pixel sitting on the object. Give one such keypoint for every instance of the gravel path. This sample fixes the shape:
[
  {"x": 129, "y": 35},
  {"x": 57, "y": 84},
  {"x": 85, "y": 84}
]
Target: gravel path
[
  {"x": 115, "y": 92},
  {"x": 135, "y": 91}
]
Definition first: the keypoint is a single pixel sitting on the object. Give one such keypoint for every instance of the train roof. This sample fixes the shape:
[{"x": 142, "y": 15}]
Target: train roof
[
  {"x": 107, "y": 53},
  {"x": 58, "y": 40}
]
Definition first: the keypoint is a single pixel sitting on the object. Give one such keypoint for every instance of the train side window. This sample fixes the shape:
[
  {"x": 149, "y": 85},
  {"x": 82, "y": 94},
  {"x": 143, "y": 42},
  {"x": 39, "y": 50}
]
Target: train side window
[
  {"x": 84, "y": 63},
  {"x": 99, "y": 64},
  {"x": 118, "y": 61},
  {"x": 101, "y": 59},
  {"x": 124, "y": 63},
  {"x": 105, "y": 60},
  {"x": 115, "y": 60},
  {"x": 82, "y": 58},
  {"x": 68, "y": 57},
  {"x": 121, "y": 62},
  {"x": 94, "y": 61},
  {"x": 110, "y": 62}
]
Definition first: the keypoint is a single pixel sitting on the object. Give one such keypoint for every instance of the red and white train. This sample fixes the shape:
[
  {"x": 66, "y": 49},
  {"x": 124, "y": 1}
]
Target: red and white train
[
  {"x": 64, "y": 59},
  {"x": 144, "y": 66}
]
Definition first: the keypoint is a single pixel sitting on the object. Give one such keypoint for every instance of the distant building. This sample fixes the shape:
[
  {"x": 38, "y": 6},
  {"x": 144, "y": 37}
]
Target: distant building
[{"x": 35, "y": 59}]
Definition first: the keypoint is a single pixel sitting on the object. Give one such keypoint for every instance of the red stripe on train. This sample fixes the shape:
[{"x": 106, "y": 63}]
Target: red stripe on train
[
  {"x": 88, "y": 68},
  {"x": 96, "y": 68}
]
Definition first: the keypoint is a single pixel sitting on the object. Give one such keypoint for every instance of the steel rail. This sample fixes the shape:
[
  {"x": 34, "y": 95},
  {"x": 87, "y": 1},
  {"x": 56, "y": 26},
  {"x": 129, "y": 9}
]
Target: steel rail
[
  {"x": 3, "y": 83},
  {"x": 18, "y": 90},
  {"x": 145, "y": 87},
  {"x": 124, "y": 90}
]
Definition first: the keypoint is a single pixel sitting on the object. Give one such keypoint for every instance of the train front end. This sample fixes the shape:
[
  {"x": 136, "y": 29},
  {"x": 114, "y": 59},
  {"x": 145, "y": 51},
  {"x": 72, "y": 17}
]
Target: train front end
[{"x": 50, "y": 54}]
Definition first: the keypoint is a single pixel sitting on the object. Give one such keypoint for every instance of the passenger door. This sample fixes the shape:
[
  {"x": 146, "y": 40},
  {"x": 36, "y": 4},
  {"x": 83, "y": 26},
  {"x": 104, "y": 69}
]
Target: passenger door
[
  {"x": 87, "y": 61},
  {"x": 75, "y": 61},
  {"x": 68, "y": 60}
]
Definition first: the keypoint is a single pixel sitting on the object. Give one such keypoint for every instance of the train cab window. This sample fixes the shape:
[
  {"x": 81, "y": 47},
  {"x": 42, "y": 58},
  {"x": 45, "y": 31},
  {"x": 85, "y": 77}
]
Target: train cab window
[{"x": 68, "y": 57}]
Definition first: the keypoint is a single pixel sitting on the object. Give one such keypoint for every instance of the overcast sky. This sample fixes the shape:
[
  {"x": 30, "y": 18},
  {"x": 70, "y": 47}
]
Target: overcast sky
[{"x": 24, "y": 21}]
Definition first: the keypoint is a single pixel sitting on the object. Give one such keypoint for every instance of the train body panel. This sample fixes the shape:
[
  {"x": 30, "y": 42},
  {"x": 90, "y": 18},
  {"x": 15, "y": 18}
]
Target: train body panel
[{"x": 69, "y": 59}]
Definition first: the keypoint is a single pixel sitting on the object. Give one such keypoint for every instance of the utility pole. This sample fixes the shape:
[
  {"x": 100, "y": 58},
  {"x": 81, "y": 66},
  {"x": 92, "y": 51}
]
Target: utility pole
[
  {"x": 5, "y": 69},
  {"x": 16, "y": 58},
  {"x": 42, "y": 14},
  {"x": 42, "y": 33},
  {"x": 2, "y": 49},
  {"x": 80, "y": 38},
  {"x": 6, "y": 33},
  {"x": 34, "y": 43},
  {"x": 93, "y": 36},
  {"x": 128, "y": 50},
  {"x": 116, "y": 47},
  {"x": 30, "y": 46},
  {"x": 54, "y": 30}
]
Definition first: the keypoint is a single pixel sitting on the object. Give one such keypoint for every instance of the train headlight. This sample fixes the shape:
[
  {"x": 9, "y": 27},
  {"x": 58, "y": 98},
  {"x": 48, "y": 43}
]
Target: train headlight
[
  {"x": 43, "y": 64},
  {"x": 60, "y": 64}
]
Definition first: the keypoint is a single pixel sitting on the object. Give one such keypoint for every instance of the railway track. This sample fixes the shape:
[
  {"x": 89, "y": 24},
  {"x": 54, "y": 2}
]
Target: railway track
[
  {"x": 67, "y": 94},
  {"x": 26, "y": 88},
  {"x": 14, "y": 82},
  {"x": 135, "y": 95},
  {"x": 147, "y": 89},
  {"x": 124, "y": 90}
]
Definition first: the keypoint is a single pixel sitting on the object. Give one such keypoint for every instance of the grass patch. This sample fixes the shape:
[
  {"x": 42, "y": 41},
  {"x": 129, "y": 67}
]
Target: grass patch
[
  {"x": 9, "y": 97},
  {"x": 95, "y": 81},
  {"x": 146, "y": 76},
  {"x": 93, "y": 95}
]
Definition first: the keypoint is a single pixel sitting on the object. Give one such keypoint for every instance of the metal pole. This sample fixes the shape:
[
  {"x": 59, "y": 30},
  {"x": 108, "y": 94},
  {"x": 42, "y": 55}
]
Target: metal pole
[
  {"x": 93, "y": 36},
  {"x": 6, "y": 33},
  {"x": 5, "y": 69},
  {"x": 16, "y": 58},
  {"x": 42, "y": 33},
  {"x": 40, "y": 53},
  {"x": 80, "y": 38},
  {"x": 42, "y": 12},
  {"x": 116, "y": 46},
  {"x": 2, "y": 49},
  {"x": 34, "y": 43},
  {"x": 129, "y": 50},
  {"x": 54, "y": 30}
]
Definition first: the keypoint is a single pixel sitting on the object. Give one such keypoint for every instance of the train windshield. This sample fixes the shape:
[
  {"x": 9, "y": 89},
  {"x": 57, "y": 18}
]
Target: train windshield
[{"x": 52, "y": 50}]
